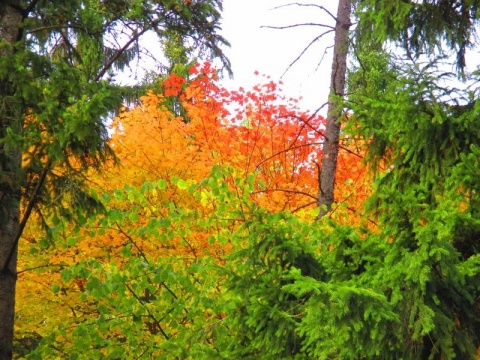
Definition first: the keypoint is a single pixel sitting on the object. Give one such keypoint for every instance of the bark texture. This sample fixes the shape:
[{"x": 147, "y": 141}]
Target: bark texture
[
  {"x": 334, "y": 112},
  {"x": 10, "y": 182}
]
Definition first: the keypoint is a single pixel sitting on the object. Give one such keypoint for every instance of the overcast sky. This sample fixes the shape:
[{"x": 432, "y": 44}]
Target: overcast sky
[{"x": 270, "y": 51}]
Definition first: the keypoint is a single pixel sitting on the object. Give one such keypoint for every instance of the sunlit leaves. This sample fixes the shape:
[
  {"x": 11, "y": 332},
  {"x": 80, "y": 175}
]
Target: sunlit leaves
[
  {"x": 142, "y": 292},
  {"x": 179, "y": 204}
]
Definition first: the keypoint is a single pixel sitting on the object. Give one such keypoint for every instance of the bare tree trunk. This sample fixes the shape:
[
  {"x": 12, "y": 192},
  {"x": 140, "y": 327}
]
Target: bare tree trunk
[
  {"x": 10, "y": 184},
  {"x": 334, "y": 113}
]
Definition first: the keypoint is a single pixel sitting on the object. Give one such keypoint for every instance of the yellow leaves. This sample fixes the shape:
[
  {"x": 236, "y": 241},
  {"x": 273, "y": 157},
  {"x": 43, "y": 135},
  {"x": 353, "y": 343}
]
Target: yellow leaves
[
  {"x": 166, "y": 153},
  {"x": 207, "y": 199}
]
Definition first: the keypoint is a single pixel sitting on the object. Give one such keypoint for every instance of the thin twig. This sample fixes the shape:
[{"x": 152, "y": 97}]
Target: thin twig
[
  {"x": 31, "y": 6},
  {"x": 55, "y": 27},
  {"x": 286, "y": 150},
  {"x": 120, "y": 51},
  {"x": 323, "y": 56},
  {"x": 308, "y": 5},
  {"x": 39, "y": 267},
  {"x": 305, "y": 50},
  {"x": 304, "y": 206},
  {"x": 140, "y": 251},
  {"x": 148, "y": 311},
  {"x": 296, "y": 25}
]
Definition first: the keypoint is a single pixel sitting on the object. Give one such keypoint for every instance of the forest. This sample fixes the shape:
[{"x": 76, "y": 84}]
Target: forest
[{"x": 176, "y": 219}]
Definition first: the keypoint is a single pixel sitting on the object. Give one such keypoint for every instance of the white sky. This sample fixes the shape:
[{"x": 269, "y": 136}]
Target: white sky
[{"x": 270, "y": 51}]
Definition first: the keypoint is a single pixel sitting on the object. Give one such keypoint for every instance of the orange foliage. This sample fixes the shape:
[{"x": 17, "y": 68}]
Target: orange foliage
[{"x": 256, "y": 131}]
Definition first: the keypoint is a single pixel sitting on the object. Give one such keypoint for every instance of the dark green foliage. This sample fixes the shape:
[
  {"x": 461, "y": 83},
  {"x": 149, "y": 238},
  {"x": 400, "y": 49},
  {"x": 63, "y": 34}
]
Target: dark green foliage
[
  {"x": 423, "y": 150},
  {"x": 27, "y": 343},
  {"x": 264, "y": 313},
  {"x": 59, "y": 73},
  {"x": 360, "y": 297},
  {"x": 318, "y": 303},
  {"x": 58, "y": 60},
  {"x": 421, "y": 27},
  {"x": 290, "y": 289},
  {"x": 422, "y": 134}
]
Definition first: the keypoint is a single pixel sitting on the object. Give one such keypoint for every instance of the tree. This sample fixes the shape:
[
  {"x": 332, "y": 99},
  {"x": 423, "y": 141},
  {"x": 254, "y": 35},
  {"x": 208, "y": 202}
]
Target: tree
[
  {"x": 163, "y": 158},
  {"x": 331, "y": 146},
  {"x": 420, "y": 128},
  {"x": 56, "y": 65},
  {"x": 423, "y": 203},
  {"x": 335, "y": 108},
  {"x": 418, "y": 27}
]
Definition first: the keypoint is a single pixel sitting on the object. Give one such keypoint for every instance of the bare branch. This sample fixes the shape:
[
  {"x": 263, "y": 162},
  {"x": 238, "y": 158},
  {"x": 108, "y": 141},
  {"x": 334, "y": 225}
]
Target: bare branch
[
  {"x": 296, "y": 25},
  {"x": 150, "y": 314},
  {"x": 323, "y": 56},
  {"x": 341, "y": 147},
  {"x": 139, "y": 249},
  {"x": 39, "y": 267},
  {"x": 31, "y": 6},
  {"x": 307, "y": 121},
  {"x": 305, "y": 50},
  {"x": 308, "y": 5},
  {"x": 54, "y": 27},
  {"x": 318, "y": 109},
  {"x": 120, "y": 51},
  {"x": 304, "y": 206},
  {"x": 321, "y": 133}
]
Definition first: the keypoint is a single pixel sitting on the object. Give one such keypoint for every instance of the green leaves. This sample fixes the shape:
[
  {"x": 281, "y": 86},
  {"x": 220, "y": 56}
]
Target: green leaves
[
  {"x": 287, "y": 288},
  {"x": 418, "y": 27},
  {"x": 425, "y": 201},
  {"x": 162, "y": 184}
]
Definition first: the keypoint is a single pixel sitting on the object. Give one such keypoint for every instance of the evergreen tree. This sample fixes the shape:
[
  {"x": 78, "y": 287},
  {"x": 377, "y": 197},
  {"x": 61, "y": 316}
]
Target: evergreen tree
[
  {"x": 57, "y": 60},
  {"x": 423, "y": 149},
  {"x": 422, "y": 133},
  {"x": 421, "y": 27}
]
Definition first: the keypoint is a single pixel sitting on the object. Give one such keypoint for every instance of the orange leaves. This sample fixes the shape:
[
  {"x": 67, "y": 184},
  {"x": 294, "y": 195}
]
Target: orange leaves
[
  {"x": 173, "y": 85},
  {"x": 255, "y": 131},
  {"x": 352, "y": 181},
  {"x": 278, "y": 143}
]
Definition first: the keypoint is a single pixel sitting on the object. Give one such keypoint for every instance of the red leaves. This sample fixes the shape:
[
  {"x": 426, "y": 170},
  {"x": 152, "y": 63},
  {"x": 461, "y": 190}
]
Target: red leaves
[
  {"x": 255, "y": 131},
  {"x": 173, "y": 85}
]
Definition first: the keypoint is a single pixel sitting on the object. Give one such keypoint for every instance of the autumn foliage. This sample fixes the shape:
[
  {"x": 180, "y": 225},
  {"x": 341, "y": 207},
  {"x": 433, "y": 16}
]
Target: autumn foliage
[
  {"x": 168, "y": 143},
  {"x": 256, "y": 131}
]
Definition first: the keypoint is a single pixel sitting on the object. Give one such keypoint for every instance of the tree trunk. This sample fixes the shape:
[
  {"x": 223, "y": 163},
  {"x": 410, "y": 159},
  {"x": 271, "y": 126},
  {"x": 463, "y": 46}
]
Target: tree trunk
[
  {"x": 334, "y": 112},
  {"x": 10, "y": 184}
]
